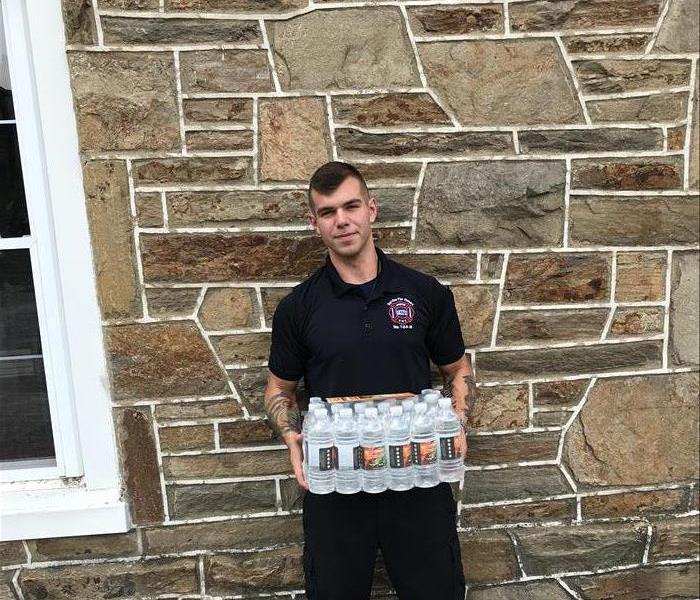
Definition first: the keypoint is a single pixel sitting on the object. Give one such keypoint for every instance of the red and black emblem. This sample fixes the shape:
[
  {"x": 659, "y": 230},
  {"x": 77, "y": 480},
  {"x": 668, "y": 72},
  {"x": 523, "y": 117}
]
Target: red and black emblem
[{"x": 401, "y": 311}]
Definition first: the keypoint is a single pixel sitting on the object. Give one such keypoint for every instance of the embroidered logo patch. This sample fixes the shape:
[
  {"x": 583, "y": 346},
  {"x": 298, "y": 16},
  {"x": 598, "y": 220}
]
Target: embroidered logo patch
[{"x": 401, "y": 313}]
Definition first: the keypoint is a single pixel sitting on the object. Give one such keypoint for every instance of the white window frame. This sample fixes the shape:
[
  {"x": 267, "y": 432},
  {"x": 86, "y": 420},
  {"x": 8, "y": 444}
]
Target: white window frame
[{"x": 81, "y": 493}]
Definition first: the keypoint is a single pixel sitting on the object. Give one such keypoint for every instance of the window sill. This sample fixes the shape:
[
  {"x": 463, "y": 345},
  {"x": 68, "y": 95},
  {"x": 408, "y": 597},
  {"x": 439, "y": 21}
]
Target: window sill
[{"x": 60, "y": 513}]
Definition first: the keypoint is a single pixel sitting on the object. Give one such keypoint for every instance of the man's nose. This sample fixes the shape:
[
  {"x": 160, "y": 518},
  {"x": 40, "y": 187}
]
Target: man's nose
[{"x": 341, "y": 218}]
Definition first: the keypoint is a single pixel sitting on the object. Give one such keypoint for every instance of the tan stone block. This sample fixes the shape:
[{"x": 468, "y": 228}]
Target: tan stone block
[
  {"x": 354, "y": 48},
  {"x": 195, "y": 437},
  {"x": 542, "y": 590},
  {"x": 455, "y": 20},
  {"x": 292, "y": 494},
  {"x": 353, "y": 143},
  {"x": 127, "y": 30},
  {"x": 242, "y": 347},
  {"x": 512, "y": 448},
  {"x": 84, "y": 547},
  {"x": 201, "y": 409},
  {"x": 246, "y": 432},
  {"x": 576, "y": 360},
  {"x": 225, "y": 71},
  {"x": 641, "y": 277},
  {"x": 171, "y": 302},
  {"x": 294, "y": 138},
  {"x": 614, "y": 75},
  {"x": 679, "y": 29},
  {"x": 612, "y": 43},
  {"x": 385, "y": 173},
  {"x": 442, "y": 265},
  {"x": 627, "y": 174},
  {"x": 228, "y": 308},
  {"x": 236, "y": 464},
  {"x": 513, "y": 483},
  {"x": 7, "y": 589},
  {"x": 676, "y": 137},
  {"x": 236, "y": 6},
  {"x": 557, "y": 278},
  {"x": 559, "y": 393},
  {"x": 548, "y": 550},
  {"x": 549, "y": 15},
  {"x": 388, "y": 110},
  {"x": 531, "y": 326},
  {"x": 606, "y": 446},
  {"x": 128, "y": 4},
  {"x": 243, "y": 534},
  {"x": 237, "y": 111},
  {"x": 79, "y": 22},
  {"x": 196, "y": 501},
  {"x": 656, "y": 108},
  {"x": 476, "y": 309},
  {"x": 531, "y": 512},
  {"x": 240, "y": 208},
  {"x": 671, "y": 581},
  {"x": 694, "y": 165},
  {"x": 633, "y": 504},
  {"x": 149, "y": 209},
  {"x": 226, "y": 257},
  {"x": 628, "y": 221},
  {"x": 250, "y": 384},
  {"x": 219, "y": 140},
  {"x": 491, "y": 266},
  {"x": 557, "y": 418},
  {"x": 555, "y": 141},
  {"x": 637, "y": 321},
  {"x": 103, "y": 581},
  {"x": 255, "y": 572},
  {"x": 685, "y": 309},
  {"x": 675, "y": 538},
  {"x": 125, "y": 100},
  {"x": 492, "y": 204},
  {"x": 487, "y": 557},
  {"x": 12, "y": 553},
  {"x": 499, "y": 407},
  {"x": 107, "y": 201},
  {"x": 196, "y": 170},
  {"x": 140, "y": 465},
  {"x": 479, "y": 79},
  {"x": 271, "y": 297},
  {"x": 162, "y": 359}
]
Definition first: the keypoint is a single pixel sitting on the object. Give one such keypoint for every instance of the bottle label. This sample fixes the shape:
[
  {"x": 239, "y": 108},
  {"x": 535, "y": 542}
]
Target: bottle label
[
  {"x": 321, "y": 457},
  {"x": 400, "y": 456},
  {"x": 450, "y": 447},
  {"x": 424, "y": 453},
  {"x": 348, "y": 457},
  {"x": 373, "y": 458}
]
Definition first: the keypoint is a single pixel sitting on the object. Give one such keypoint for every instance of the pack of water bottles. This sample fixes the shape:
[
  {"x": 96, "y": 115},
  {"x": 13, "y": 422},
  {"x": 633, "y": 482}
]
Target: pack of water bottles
[{"x": 372, "y": 447}]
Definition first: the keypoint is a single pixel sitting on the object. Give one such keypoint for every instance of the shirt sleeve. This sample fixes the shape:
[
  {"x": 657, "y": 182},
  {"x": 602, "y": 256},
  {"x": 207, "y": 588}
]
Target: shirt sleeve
[
  {"x": 287, "y": 351},
  {"x": 444, "y": 339}
]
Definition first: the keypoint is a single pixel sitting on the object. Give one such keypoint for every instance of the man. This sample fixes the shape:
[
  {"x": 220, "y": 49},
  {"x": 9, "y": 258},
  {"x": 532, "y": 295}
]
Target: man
[{"x": 338, "y": 330}]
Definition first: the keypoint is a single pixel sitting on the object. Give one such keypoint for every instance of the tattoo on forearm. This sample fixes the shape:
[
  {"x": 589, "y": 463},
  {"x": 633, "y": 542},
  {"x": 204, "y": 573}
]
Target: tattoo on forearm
[
  {"x": 469, "y": 397},
  {"x": 283, "y": 413}
]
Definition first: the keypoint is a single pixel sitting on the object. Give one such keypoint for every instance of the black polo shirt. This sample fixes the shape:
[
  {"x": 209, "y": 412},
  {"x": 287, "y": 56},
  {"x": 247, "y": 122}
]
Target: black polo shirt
[{"x": 344, "y": 344}]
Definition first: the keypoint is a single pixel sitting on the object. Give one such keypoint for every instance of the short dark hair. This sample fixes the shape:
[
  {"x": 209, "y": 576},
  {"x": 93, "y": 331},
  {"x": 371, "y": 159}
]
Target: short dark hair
[{"x": 328, "y": 178}]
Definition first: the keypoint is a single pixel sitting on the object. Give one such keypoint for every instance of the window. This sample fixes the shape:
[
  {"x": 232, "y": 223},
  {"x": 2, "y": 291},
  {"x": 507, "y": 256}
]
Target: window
[{"x": 58, "y": 467}]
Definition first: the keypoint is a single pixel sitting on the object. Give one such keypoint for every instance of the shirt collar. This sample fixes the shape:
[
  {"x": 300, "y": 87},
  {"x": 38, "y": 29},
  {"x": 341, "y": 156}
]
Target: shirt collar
[{"x": 386, "y": 282}]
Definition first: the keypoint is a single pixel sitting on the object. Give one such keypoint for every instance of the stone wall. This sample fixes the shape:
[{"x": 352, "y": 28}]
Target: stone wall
[{"x": 540, "y": 157}]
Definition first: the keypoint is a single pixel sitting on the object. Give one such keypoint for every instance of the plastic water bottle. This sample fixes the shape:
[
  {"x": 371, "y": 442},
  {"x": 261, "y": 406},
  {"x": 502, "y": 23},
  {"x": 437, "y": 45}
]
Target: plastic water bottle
[
  {"x": 399, "y": 442},
  {"x": 424, "y": 393},
  {"x": 335, "y": 409},
  {"x": 374, "y": 467},
  {"x": 408, "y": 406},
  {"x": 424, "y": 448},
  {"x": 319, "y": 453},
  {"x": 449, "y": 434},
  {"x": 347, "y": 442}
]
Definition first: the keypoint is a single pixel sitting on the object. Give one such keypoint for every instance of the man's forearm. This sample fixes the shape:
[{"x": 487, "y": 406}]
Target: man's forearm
[
  {"x": 460, "y": 386},
  {"x": 283, "y": 413}
]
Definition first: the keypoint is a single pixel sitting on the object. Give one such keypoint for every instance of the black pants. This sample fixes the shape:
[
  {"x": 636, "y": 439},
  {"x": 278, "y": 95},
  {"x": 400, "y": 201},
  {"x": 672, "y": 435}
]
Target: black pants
[{"x": 416, "y": 531}]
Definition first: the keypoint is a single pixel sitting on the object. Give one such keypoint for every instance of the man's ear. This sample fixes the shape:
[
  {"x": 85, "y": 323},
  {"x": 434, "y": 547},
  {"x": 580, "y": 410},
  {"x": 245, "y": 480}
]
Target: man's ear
[
  {"x": 372, "y": 204},
  {"x": 312, "y": 220}
]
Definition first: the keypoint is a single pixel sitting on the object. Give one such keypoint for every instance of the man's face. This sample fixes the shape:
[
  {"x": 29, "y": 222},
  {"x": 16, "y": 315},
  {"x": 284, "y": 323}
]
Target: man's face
[{"x": 344, "y": 218}]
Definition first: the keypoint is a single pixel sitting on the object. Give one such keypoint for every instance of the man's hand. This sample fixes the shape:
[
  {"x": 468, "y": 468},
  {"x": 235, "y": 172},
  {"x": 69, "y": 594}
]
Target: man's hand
[
  {"x": 294, "y": 442},
  {"x": 464, "y": 445}
]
